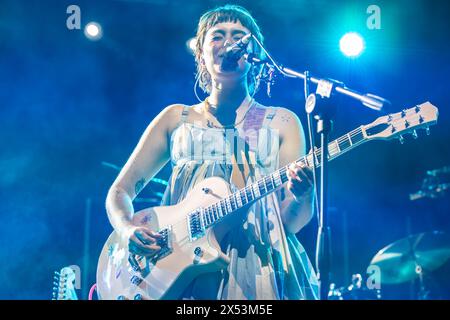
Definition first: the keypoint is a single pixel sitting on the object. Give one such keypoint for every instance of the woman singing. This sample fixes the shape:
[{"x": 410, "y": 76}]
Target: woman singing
[{"x": 266, "y": 259}]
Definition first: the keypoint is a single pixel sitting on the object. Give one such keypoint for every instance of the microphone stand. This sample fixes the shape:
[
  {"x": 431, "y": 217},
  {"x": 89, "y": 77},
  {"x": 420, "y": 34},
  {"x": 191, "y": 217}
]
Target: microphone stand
[
  {"x": 369, "y": 100},
  {"x": 317, "y": 104}
]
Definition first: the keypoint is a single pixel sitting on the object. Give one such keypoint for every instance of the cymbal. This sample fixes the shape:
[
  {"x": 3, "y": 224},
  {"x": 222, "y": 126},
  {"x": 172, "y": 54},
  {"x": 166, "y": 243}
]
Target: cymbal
[{"x": 405, "y": 259}]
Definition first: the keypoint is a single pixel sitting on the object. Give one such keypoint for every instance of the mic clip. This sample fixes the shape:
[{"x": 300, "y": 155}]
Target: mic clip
[{"x": 268, "y": 76}]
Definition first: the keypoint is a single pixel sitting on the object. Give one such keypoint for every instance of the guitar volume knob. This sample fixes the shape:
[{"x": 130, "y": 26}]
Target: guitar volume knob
[
  {"x": 198, "y": 252},
  {"x": 206, "y": 190}
]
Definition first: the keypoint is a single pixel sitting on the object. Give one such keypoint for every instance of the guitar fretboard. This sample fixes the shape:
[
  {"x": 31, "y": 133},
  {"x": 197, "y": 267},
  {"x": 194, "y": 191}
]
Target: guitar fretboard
[{"x": 262, "y": 187}]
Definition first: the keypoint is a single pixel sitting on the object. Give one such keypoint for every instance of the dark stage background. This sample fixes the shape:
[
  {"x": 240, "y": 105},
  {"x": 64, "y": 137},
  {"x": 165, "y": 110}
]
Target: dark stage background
[{"x": 68, "y": 104}]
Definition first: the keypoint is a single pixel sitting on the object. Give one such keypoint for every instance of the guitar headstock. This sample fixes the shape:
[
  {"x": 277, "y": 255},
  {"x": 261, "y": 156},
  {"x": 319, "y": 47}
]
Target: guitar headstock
[
  {"x": 63, "y": 285},
  {"x": 398, "y": 124}
]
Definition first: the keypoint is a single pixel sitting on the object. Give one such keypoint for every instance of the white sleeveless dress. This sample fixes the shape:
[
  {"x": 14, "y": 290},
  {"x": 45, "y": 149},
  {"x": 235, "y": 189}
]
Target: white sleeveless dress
[{"x": 266, "y": 262}]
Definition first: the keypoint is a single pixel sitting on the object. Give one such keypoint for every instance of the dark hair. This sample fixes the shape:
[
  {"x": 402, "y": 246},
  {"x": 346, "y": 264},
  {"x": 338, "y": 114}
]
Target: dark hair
[{"x": 226, "y": 13}]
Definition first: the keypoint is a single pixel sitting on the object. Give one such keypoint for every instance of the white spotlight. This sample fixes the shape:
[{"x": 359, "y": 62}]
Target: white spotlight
[
  {"x": 93, "y": 31},
  {"x": 351, "y": 44},
  {"x": 190, "y": 45}
]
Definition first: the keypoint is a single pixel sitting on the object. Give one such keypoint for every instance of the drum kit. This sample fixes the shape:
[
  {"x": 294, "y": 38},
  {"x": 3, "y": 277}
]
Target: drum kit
[
  {"x": 412, "y": 259},
  {"x": 434, "y": 185}
]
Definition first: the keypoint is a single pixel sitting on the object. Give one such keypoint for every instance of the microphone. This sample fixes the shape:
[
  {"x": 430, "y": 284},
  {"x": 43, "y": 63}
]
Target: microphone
[{"x": 237, "y": 49}]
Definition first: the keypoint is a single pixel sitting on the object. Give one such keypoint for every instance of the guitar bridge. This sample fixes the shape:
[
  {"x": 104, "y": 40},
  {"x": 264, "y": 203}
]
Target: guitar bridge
[{"x": 144, "y": 265}]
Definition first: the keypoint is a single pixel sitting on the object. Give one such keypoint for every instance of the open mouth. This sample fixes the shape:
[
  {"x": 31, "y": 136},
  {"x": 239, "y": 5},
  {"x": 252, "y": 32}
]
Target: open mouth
[{"x": 229, "y": 65}]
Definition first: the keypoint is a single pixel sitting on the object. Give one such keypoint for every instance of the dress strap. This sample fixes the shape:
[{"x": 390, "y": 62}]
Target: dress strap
[
  {"x": 185, "y": 113},
  {"x": 270, "y": 114}
]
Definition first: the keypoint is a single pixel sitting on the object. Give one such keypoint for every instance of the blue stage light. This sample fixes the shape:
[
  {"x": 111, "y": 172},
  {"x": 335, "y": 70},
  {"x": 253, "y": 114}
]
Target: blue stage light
[{"x": 352, "y": 44}]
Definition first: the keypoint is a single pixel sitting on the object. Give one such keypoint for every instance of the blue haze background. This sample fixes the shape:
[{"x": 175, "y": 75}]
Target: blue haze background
[{"x": 68, "y": 104}]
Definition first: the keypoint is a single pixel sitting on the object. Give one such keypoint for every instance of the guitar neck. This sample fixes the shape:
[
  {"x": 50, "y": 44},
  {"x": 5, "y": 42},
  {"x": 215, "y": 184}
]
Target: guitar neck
[{"x": 264, "y": 186}]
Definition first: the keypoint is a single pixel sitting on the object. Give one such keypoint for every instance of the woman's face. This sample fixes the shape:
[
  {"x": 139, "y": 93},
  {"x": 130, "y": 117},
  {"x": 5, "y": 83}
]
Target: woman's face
[{"x": 217, "y": 38}]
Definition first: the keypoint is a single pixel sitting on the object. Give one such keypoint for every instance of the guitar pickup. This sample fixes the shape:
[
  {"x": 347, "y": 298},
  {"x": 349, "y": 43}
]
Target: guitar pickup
[{"x": 195, "y": 225}]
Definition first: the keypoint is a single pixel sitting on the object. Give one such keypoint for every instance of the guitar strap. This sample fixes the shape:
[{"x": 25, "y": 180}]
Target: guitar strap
[
  {"x": 242, "y": 164},
  {"x": 243, "y": 161}
]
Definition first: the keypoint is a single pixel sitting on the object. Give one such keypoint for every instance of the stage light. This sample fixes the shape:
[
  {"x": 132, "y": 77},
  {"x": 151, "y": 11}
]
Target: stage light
[
  {"x": 93, "y": 31},
  {"x": 190, "y": 45},
  {"x": 352, "y": 44}
]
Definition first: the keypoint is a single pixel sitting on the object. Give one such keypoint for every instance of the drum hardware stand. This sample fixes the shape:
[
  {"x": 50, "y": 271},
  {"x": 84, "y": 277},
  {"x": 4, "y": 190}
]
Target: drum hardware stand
[{"x": 422, "y": 293}]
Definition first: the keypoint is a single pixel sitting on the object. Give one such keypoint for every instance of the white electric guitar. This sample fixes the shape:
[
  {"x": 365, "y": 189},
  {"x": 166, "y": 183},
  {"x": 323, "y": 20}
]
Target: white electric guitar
[{"x": 192, "y": 229}]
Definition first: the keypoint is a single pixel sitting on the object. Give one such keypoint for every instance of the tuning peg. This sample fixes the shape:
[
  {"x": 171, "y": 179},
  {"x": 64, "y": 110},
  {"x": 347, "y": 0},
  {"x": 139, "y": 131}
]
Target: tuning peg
[
  {"x": 414, "y": 134},
  {"x": 417, "y": 109},
  {"x": 401, "y": 139},
  {"x": 403, "y": 113},
  {"x": 55, "y": 284},
  {"x": 427, "y": 130},
  {"x": 406, "y": 124},
  {"x": 421, "y": 119}
]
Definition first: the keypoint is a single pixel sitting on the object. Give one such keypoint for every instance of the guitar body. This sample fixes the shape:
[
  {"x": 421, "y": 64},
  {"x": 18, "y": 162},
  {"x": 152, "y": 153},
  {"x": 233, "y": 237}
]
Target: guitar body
[{"x": 166, "y": 278}]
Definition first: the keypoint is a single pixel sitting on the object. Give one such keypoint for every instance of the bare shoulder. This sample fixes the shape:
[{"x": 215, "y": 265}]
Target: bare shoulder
[
  {"x": 172, "y": 111},
  {"x": 292, "y": 135},
  {"x": 170, "y": 116},
  {"x": 284, "y": 116},
  {"x": 286, "y": 122}
]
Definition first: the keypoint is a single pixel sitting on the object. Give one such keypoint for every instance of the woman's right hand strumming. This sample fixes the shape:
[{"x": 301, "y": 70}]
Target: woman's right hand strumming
[{"x": 141, "y": 241}]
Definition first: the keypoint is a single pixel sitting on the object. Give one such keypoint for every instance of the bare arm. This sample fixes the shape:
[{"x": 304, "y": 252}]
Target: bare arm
[
  {"x": 148, "y": 157},
  {"x": 296, "y": 211}
]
